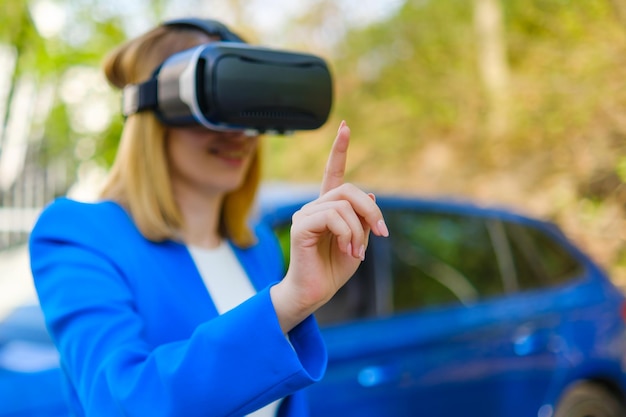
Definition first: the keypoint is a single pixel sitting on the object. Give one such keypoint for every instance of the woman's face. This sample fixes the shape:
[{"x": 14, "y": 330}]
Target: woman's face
[{"x": 208, "y": 162}]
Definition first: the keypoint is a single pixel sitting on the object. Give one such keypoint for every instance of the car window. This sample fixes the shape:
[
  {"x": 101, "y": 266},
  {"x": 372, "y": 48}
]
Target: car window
[
  {"x": 440, "y": 258},
  {"x": 539, "y": 260},
  {"x": 435, "y": 259},
  {"x": 282, "y": 232}
]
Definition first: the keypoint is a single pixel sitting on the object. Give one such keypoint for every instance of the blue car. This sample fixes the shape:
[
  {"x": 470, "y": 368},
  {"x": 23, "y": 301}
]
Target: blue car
[
  {"x": 30, "y": 377},
  {"x": 463, "y": 311},
  {"x": 468, "y": 311}
]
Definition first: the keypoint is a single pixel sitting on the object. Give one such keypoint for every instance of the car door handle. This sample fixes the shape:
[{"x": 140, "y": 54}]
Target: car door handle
[{"x": 371, "y": 376}]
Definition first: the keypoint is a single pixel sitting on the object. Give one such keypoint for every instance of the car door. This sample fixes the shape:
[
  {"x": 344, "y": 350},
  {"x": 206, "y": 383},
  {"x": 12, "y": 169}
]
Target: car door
[{"x": 435, "y": 345}]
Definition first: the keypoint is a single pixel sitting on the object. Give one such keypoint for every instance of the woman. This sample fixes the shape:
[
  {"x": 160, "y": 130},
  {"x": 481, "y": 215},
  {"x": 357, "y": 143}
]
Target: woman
[{"x": 160, "y": 299}]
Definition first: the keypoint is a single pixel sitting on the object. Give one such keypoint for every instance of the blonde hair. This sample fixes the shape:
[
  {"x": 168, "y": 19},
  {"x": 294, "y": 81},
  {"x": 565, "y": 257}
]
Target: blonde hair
[{"x": 139, "y": 178}]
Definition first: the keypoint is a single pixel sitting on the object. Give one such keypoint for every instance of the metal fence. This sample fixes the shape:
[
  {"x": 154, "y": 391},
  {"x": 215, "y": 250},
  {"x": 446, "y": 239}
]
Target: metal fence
[{"x": 21, "y": 203}]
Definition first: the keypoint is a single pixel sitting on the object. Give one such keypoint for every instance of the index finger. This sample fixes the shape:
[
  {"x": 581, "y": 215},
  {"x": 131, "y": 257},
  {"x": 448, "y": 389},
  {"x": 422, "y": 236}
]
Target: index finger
[{"x": 336, "y": 164}]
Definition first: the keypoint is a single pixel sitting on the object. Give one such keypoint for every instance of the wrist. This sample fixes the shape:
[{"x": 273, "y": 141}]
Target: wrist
[{"x": 289, "y": 308}]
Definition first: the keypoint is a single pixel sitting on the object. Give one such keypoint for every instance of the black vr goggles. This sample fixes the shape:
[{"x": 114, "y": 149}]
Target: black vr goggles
[{"x": 230, "y": 85}]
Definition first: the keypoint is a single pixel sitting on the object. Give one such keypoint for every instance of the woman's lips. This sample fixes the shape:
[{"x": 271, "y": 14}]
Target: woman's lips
[{"x": 232, "y": 156}]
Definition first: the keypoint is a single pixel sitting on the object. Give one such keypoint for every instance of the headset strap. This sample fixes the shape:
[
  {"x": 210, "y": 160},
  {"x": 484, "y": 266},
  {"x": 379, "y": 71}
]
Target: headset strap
[
  {"x": 139, "y": 97},
  {"x": 208, "y": 26}
]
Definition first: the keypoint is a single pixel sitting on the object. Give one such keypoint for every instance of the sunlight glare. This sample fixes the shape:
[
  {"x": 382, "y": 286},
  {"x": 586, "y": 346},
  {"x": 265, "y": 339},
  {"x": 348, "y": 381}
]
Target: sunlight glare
[{"x": 49, "y": 17}]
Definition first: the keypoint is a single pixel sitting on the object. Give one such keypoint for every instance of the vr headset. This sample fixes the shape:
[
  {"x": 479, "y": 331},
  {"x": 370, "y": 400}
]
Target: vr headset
[{"x": 230, "y": 85}]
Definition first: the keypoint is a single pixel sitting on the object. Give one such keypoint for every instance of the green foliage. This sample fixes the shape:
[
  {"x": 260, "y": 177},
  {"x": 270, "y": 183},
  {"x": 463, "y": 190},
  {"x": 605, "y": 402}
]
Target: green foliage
[
  {"x": 46, "y": 59},
  {"x": 410, "y": 89},
  {"x": 58, "y": 135},
  {"x": 411, "y": 69}
]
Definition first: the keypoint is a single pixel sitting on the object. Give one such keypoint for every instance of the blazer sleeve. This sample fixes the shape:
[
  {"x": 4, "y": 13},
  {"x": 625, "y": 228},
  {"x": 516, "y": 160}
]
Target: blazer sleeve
[{"x": 230, "y": 365}]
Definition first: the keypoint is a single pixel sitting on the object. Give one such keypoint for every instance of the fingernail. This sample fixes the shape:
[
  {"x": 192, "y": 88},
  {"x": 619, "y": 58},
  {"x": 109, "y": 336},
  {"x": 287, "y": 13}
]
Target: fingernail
[
  {"x": 362, "y": 252},
  {"x": 342, "y": 124},
  {"x": 382, "y": 228},
  {"x": 372, "y": 196}
]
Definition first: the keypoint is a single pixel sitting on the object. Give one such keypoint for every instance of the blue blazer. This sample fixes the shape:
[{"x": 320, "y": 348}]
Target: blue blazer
[{"x": 139, "y": 335}]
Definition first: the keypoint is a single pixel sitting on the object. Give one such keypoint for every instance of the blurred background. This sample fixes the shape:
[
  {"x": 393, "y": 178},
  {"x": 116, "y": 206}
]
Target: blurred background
[{"x": 518, "y": 103}]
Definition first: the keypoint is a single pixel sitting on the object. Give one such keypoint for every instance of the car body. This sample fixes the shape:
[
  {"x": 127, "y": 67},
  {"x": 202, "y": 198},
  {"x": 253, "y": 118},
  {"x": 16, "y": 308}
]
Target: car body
[
  {"x": 468, "y": 310},
  {"x": 464, "y": 310},
  {"x": 30, "y": 377}
]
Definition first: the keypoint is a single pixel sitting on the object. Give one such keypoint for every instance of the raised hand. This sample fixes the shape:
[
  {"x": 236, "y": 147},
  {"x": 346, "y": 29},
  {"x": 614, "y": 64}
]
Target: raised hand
[{"x": 329, "y": 237}]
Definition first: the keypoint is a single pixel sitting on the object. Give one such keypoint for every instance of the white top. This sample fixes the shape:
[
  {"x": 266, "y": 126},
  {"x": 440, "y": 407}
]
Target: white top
[
  {"x": 229, "y": 286},
  {"x": 223, "y": 275}
]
